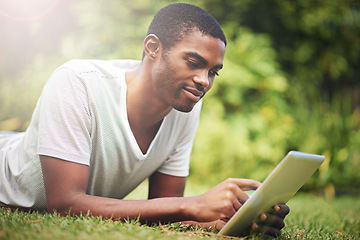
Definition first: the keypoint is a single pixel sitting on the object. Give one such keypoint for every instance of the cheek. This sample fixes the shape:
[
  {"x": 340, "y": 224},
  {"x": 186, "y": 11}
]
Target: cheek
[
  {"x": 165, "y": 80},
  {"x": 160, "y": 74},
  {"x": 211, "y": 82},
  {"x": 166, "y": 71}
]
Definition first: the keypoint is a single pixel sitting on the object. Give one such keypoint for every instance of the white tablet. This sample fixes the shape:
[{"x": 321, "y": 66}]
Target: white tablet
[{"x": 282, "y": 183}]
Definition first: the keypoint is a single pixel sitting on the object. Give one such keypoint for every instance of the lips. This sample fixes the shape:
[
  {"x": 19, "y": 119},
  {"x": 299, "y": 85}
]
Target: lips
[{"x": 194, "y": 93}]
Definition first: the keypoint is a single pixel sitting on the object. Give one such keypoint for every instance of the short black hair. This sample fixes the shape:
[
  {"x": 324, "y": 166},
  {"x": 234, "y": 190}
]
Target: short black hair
[{"x": 172, "y": 23}]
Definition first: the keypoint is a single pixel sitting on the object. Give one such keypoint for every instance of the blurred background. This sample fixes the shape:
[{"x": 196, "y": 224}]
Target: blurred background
[{"x": 291, "y": 79}]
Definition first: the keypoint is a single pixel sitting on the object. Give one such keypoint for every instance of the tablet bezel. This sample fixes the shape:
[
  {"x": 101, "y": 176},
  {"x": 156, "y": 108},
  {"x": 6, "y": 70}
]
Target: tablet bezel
[{"x": 280, "y": 185}]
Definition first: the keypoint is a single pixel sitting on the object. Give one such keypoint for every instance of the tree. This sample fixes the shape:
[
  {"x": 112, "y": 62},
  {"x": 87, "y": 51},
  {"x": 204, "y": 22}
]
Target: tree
[{"x": 317, "y": 46}]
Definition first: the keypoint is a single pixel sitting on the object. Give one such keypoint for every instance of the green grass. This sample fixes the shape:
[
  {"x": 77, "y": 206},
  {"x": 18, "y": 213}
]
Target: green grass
[
  {"x": 314, "y": 217},
  {"x": 310, "y": 218}
]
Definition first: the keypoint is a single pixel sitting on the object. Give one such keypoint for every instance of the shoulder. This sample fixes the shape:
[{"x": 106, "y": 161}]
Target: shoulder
[
  {"x": 107, "y": 68},
  {"x": 81, "y": 73}
]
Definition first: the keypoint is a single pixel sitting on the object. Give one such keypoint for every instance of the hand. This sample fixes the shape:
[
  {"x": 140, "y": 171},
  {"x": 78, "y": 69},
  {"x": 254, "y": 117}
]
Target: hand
[
  {"x": 222, "y": 201},
  {"x": 270, "y": 224}
]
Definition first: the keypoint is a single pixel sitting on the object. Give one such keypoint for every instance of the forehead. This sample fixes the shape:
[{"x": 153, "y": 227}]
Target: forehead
[{"x": 210, "y": 48}]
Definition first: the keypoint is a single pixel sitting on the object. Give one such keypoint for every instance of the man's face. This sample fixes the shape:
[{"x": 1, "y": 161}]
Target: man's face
[{"x": 187, "y": 70}]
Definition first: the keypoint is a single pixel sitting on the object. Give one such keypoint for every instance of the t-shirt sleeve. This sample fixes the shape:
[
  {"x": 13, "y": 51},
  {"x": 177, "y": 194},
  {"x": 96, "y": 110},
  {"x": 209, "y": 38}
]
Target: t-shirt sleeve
[
  {"x": 177, "y": 164},
  {"x": 64, "y": 118}
]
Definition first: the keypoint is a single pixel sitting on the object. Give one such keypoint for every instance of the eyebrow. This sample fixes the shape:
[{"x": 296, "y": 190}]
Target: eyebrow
[{"x": 203, "y": 60}]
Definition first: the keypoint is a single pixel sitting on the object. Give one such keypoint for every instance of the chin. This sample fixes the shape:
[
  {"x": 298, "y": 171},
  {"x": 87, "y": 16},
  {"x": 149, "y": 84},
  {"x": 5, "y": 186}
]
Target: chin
[{"x": 184, "y": 108}]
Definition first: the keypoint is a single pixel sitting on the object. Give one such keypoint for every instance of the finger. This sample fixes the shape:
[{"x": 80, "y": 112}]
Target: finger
[
  {"x": 235, "y": 193},
  {"x": 254, "y": 228},
  {"x": 271, "y": 221},
  {"x": 241, "y": 197},
  {"x": 281, "y": 210},
  {"x": 246, "y": 184},
  {"x": 266, "y": 231},
  {"x": 237, "y": 204},
  {"x": 243, "y": 185},
  {"x": 225, "y": 219},
  {"x": 218, "y": 224}
]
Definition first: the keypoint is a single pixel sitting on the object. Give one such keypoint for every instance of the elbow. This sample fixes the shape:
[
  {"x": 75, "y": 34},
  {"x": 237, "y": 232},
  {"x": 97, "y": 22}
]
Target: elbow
[
  {"x": 59, "y": 207},
  {"x": 63, "y": 205}
]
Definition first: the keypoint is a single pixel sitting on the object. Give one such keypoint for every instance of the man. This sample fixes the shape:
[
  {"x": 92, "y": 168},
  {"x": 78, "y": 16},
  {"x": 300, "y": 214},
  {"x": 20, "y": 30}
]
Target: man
[{"x": 101, "y": 127}]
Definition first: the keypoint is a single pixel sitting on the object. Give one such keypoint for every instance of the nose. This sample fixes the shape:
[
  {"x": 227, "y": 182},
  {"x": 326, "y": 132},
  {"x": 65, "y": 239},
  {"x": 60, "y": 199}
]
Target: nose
[{"x": 202, "y": 80}]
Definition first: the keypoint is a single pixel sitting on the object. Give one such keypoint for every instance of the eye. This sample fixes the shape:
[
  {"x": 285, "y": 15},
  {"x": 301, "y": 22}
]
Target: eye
[
  {"x": 213, "y": 73},
  {"x": 192, "y": 64}
]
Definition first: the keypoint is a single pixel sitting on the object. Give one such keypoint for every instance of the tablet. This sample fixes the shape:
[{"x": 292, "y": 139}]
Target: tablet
[{"x": 282, "y": 183}]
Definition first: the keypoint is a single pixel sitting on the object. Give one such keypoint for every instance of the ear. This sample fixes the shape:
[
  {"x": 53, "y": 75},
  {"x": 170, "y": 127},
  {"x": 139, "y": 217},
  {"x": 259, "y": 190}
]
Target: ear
[{"x": 152, "y": 46}]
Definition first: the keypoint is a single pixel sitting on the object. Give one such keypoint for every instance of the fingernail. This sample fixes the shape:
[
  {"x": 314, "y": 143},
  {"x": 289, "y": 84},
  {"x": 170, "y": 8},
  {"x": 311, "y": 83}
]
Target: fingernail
[
  {"x": 277, "y": 208},
  {"x": 255, "y": 226}
]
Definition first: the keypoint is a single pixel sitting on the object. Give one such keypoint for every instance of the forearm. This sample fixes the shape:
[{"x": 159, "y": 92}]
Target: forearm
[
  {"x": 154, "y": 210},
  {"x": 65, "y": 186},
  {"x": 66, "y": 183}
]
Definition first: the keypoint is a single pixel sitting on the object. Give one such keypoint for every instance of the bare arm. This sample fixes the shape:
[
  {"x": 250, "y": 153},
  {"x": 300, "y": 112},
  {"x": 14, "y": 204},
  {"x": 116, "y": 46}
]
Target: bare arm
[
  {"x": 161, "y": 185},
  {"x": 66, "y": 183}
]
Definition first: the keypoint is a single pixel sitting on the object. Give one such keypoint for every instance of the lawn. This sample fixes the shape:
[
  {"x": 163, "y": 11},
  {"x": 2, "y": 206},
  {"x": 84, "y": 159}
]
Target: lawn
[{"x": 311, "y": 217}]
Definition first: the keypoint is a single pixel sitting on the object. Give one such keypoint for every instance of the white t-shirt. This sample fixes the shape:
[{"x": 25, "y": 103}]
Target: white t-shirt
[{"x": 81, "y": 117}]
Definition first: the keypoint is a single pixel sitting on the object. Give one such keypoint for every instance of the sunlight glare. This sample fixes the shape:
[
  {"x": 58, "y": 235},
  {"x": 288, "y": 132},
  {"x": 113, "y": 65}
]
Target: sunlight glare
[{"x": 23, "y": 10}]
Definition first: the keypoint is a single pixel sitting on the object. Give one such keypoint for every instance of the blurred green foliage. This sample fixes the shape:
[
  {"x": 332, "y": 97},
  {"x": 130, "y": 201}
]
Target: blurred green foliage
[{"x": 290, "y": 81}]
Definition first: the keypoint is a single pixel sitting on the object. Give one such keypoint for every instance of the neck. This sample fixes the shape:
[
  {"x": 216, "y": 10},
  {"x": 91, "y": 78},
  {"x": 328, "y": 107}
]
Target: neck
[{"x": 144, "y": 109}]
